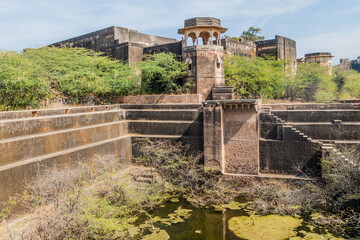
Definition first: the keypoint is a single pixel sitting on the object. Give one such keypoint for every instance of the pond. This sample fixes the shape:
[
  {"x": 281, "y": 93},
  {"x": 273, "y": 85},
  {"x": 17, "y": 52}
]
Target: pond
[{"x": 236, "y": 222}]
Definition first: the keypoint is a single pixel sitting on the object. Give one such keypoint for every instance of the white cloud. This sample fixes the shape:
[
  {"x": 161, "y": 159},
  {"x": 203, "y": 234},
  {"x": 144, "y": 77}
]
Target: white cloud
[
  {"x": 25, "y": 23},
  {"x": 342, "y": 44}
]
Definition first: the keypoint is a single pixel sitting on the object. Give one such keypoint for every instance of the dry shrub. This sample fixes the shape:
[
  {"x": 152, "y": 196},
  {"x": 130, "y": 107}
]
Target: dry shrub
[
  {"x": 183, "y": 169},
  {"x": 285, "y": 197},
  {"x": 95, "y": 200}
]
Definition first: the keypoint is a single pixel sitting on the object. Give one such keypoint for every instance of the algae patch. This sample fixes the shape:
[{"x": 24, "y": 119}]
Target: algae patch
[
  {"x": 264, "y": 227},
  {"x": 315, "y": 236},
  {"x": 158, "y": 235}
]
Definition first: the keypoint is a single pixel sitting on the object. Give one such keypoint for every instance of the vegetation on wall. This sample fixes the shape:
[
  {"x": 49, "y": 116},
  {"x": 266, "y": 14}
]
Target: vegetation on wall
[
  {"x": 269, "y": 78},
  {"x": 29, "y": 78},
  {"x": 34, "y": 75},
  {"x": 163, "y": 73},
  {"x": 312, "y": 82},
  {"x": 255, "y": 77},
  {"x": 347, "y": 83}
]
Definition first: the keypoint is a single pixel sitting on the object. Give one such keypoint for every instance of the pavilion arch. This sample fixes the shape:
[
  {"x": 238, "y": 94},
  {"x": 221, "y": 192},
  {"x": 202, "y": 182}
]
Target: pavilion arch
[
  {"x": 216, "y": 38},
  {"x": 193, "y": 37},
  {"x": 205, "y": 35}
]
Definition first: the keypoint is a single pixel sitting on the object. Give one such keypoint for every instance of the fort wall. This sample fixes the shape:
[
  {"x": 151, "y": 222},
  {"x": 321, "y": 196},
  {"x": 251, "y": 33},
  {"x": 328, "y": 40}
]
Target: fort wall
[{"x": 238, "y": 137}]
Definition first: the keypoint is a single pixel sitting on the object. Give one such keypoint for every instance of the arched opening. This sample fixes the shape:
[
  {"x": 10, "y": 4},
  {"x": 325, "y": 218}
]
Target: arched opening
[
  {"x": 216, "y": 38},
  {"x": 191, "y": 39},
  {"x": 219, "y": 62},
  {"x": 188, "y": 61},
  {"x": 205, "y": 37}
]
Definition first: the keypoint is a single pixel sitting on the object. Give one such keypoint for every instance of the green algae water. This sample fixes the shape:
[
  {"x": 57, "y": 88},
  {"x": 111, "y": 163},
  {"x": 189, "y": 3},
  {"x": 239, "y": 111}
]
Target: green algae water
[{"x": 230, "y": 222}]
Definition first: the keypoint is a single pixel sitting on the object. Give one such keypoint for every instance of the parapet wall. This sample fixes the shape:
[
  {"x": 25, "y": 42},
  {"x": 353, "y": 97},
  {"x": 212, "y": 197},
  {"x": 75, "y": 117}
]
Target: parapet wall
[{"x": 241, "y": 48}]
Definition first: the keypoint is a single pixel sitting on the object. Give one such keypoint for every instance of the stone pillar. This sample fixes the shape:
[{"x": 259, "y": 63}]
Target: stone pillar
[
  {"x": 213, "y": 136},
  {"x": 241, "y": 137},
  {"x": 231, "y": 136}
]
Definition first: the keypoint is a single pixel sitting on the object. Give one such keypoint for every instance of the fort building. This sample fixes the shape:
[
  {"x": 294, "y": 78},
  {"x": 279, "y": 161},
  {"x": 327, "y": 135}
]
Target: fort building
[
  {"x": 122, "y": 43},
  {"x": 238, "y": 137},
  {"x": 131, "y": 46},
  {"x": 206, "y": 60},
  {"x": 322, "y": 58},
  {"x": 281, "y": 47},
  {"x": 347, "y": 64}
]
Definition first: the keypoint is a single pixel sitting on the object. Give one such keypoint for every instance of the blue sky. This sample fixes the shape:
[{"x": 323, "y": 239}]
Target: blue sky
[{"x": 316, "y": 25}]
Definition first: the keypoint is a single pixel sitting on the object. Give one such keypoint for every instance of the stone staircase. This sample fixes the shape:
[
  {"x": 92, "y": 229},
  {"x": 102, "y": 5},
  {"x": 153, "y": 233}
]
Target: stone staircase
[
  {"x": 143, "y": 174},
  {"x": 166, "y": 122},
  {"x": 288, "y": 131}
]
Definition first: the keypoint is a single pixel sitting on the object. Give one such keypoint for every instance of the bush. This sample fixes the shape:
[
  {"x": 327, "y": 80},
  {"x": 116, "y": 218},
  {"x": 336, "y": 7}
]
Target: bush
[
  {"x": 311, "y": 82},
  {"x": 255, "y": 77},
  {"x": 34, "y": 75},
  {"x": 163, "y": 73},
  {"x": 348, "y": 84},
  {"x": 94, "y": 200},
  {"x": 79, "y": 72},
  {"x": 184, "y": 170},
  {"x": 21, "y": 82}
]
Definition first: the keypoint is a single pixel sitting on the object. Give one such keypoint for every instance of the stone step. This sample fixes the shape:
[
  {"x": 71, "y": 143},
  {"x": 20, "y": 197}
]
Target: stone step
[
  {"x": 195, "y": 143},
  {"x": 266, "y": 175},
  {"x": 28, "y": 126},
  {"x": 184, "y": 128},
  {"x": 30, "y": 146},
  {"x": 143, "y": 179},
  {"x": 318, "y": 115},
  {"x": 8, "y": 115},
  {"x": 161, "y": 106},
  {"x": 14, "y": 177},
  {"x": 329, "y": 131},
  {"x": 164, "y": 114}
]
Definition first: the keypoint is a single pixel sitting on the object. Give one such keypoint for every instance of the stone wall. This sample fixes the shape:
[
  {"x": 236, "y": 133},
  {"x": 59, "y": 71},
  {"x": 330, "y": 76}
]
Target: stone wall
[
  {"x": 175, "y": 48},
  {"x": 206, "y": 68},
  {"x": 241, "y": 48},
  {"x": 31, "y": 141},
  {"x": 231, "y": 137},
  {"x": 281, "y": 48},
  {"x": 156, "y": 99},
  {"x": 241, "y": 140},
  {"x": 121, "y": 43},
  {"x": 236, "y": 139}
]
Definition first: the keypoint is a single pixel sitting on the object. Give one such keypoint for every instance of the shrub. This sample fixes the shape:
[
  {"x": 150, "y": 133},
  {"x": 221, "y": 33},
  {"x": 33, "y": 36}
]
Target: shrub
[
  {"x": 79, "y": 72},
  {"x": 184, "y": 170},
  {"x": 255, "y": 77},
  {"x": 163, "y": 73},
  {"x": 34, "y": 75},
  {"x": 94, "y": 200},
  {"x": 21, "y": 82},
  {"x": 311, "y": 82},
  {"x": 347, "y": 83}
]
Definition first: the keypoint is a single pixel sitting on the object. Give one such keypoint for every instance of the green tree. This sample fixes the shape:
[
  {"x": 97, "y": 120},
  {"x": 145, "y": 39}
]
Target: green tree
[
  {"x": 255, "y": 77},
  {"x": 348, "y": 83},
  {"x": 252, "y": 34},
  {"x": 312, "y": 82},
  {"x": 163, "y": 73}
]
